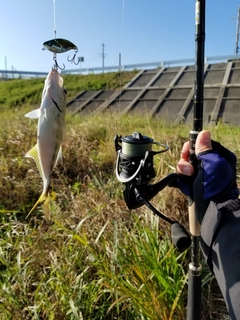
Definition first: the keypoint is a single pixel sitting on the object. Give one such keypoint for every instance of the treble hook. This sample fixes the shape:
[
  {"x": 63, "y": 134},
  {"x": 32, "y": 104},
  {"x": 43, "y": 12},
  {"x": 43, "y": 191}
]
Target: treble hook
[
  {"x": 73, "y": 58},
  {"x": 56, "y": 63}
]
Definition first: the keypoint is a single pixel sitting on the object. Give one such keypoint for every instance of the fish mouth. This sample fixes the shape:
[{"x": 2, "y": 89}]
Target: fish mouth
[
  {"x": 54, "y": 74},
  {"x": 54, "y": 78}
]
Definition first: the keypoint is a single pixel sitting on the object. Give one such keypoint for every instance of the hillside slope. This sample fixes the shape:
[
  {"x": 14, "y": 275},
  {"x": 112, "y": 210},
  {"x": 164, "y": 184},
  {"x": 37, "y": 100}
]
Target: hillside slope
[{"x": 15, "y": 93}]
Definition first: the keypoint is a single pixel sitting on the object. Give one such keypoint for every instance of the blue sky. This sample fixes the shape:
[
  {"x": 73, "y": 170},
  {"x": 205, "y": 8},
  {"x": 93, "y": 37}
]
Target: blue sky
[{"x": 142, "y": 30}]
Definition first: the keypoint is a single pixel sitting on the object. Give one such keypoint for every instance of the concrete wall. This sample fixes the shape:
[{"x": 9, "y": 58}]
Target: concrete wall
[{"x": 168, "y": 93}]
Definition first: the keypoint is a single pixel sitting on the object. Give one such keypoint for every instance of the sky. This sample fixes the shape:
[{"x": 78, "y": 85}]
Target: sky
[{"x": 141, "y": 30}]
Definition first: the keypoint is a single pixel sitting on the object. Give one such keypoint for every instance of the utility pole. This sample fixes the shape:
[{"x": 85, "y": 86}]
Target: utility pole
[
  {"x": 237, "y": 33},
  {"x": 103, "y": 57},
  {"x": 120, "y": 62},
  {"x": 6, "y": 67}
]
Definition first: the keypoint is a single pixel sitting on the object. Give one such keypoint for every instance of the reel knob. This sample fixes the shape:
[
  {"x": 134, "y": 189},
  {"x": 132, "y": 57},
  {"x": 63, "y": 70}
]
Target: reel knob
[{"x": 180, "y": 237}]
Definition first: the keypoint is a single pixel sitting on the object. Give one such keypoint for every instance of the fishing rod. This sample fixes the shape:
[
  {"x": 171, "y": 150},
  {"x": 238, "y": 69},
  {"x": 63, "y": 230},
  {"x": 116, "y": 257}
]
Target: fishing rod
[
  {"x": 134, "y": 168},
  {"x": 195, "y": 268}
]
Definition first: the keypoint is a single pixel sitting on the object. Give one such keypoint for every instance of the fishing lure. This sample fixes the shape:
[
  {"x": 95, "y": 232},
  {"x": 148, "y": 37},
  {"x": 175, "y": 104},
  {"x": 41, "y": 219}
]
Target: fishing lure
[{"x": 59, "y": 45}]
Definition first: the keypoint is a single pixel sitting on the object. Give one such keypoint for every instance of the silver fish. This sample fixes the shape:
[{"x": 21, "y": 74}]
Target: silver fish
[{"x": 50, "y": 132}]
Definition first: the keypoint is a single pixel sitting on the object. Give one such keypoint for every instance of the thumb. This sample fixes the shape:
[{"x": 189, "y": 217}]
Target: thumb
[{"x": 203, "y": 142}]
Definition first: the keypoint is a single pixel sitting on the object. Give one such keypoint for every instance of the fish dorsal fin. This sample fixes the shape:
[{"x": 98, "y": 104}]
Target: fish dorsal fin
[
  {"x": 34, "y": 114},
  {"x": 33, "y": 153}
]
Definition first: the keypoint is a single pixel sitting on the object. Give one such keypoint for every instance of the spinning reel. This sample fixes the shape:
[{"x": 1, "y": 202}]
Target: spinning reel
[{"x": 134, "y": 168}]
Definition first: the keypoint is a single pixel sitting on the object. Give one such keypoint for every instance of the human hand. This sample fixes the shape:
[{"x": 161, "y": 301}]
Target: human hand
[
  {"x": 214, "y": 176},
  {"x": 203, "y": 143}
]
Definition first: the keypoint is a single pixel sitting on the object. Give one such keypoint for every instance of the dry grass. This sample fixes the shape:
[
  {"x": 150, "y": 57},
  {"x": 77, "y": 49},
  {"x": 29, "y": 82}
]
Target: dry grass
[{"x": 70, "y": 267}]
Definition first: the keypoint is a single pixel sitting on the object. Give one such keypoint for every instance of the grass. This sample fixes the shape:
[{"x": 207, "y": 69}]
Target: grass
[
  {"x": 93, "y": 259},
  {"x": 15, "y": 93}
]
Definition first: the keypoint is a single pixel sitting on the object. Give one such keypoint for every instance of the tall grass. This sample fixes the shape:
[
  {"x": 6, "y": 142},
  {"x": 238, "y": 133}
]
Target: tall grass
[
  {"x": 93, "y": 259},
  {"x": 144, "y": 265}
]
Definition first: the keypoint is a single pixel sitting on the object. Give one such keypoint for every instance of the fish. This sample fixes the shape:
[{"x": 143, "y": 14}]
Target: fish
[
  {"x": 50, "y": 132},
  {"x": 59, "y": 45}
]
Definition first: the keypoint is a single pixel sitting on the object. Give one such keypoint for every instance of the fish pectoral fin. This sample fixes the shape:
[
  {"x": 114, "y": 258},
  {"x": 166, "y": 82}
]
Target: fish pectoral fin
[
  {"x": 45, "y": 113},
  {"x": 59, "y": 156},
  {"x": 33, "y": 153},
  {"x": 34, "y": 114}
]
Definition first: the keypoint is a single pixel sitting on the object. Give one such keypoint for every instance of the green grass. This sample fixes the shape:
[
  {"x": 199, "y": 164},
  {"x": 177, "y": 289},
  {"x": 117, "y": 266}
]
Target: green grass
[
  {"x": 15, "y": 93},
  {"x": 93, "y": 259}
]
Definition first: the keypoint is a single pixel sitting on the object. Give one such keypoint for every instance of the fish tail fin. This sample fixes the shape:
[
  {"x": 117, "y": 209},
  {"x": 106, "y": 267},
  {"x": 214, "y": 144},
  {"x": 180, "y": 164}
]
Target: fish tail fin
[{"x": 41, "y": 199}]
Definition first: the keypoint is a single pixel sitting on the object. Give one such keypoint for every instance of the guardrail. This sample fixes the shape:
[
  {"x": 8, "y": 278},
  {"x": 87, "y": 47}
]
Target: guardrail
[
  {"x": 10, "y": 74},
  {"x": 13, "y": 74}
]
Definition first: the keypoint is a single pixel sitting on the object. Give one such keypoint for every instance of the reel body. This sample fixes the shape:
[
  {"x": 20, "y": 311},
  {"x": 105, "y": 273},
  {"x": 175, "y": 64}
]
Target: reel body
[{"x": 134, "y": 168}]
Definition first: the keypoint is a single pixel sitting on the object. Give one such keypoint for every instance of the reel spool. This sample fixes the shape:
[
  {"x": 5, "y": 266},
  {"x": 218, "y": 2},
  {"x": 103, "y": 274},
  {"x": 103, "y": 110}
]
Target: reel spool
[{"x": 135, "y": 158}]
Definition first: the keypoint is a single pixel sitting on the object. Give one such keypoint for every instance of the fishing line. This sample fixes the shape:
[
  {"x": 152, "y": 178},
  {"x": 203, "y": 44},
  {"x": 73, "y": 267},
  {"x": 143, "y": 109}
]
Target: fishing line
[
  {"x": 121, "y": 42},
  {"x": 60, "y": 45},
  {"x": 122, "y": 24},
  {"x": 120, "y": 58},
  {"x": 55, "y": 31},
  {"x": 54, "y": 19}
]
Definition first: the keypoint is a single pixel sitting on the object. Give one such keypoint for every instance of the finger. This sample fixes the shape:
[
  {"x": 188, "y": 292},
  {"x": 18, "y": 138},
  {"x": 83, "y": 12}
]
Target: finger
[
  {"x": 185, "y": 151},
  {"x": 183, "y": 165},
  {"x": 203, "y": 142}
]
